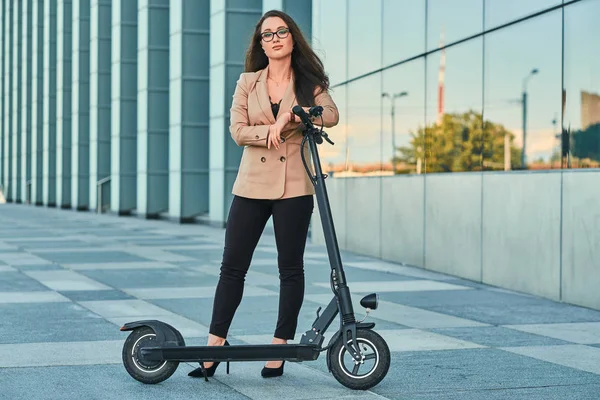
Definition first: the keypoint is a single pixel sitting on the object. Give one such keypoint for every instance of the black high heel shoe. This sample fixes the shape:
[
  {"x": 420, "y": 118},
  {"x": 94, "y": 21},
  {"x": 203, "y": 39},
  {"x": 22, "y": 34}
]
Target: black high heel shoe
[
  {"x": 208, "y": 372},
  {"x": 272, "y": 372}
]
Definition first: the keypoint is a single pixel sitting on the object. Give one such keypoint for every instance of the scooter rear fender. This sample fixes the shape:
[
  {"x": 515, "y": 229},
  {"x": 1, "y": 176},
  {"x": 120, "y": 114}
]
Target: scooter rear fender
[{"x": 166, "y": 335}]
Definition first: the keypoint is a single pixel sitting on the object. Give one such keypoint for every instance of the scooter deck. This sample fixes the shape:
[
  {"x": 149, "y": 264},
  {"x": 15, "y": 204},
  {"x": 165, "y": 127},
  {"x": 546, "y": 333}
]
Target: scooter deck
[{"x": 262, "y": 352}]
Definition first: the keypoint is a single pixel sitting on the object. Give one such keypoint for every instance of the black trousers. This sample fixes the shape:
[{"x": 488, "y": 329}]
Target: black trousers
[{"x": 245, "y": 225}]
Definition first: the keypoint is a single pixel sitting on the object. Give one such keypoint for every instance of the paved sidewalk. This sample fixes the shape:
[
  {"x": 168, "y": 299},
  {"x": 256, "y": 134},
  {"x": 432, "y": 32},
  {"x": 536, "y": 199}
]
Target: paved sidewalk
[{"x": 68, "y": 280}]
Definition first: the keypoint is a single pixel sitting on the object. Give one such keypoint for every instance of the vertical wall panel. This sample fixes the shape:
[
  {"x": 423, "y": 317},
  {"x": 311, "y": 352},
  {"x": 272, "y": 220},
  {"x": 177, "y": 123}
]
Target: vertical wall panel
[
  {"x": 2, "y": 97},
  {"x": 15, "y": 189},
  {"x": 63, "y": 103},
  {"x": 49, "y": 182},
  {"x": 26, "y": 109},
  {"x": 37, "y": 106},
  {"x": 80, "y": 104},
  {"x": 272, "y": 5},
  {"x": 301, "y": 12},
  {"x": 124, "y": 106},
  {"x": 100, "y": 100},
  {"x": 189, "y": 107},
  {"x": 153, "y": 107},
  {"x": 8, "y": 95}
]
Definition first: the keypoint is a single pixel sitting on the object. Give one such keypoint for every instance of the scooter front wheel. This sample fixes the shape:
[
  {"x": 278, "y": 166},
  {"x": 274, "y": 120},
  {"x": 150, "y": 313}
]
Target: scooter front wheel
[
  {"x": 370, "y": 370},
  {"x": 145, "y": 371}
]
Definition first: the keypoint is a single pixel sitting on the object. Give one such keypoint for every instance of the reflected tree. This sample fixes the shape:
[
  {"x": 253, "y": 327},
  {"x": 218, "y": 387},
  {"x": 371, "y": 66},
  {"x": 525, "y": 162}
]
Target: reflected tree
[{"x": 460, "y": 142}]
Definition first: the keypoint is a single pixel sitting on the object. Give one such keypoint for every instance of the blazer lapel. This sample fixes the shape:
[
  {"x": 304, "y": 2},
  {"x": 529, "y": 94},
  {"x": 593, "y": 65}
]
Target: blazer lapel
[
  {"x": 262, "y": 95},
  {"x": 289, "y": 98}
]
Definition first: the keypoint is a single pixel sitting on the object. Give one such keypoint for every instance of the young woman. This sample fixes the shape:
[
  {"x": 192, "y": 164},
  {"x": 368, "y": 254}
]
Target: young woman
[{"x": 281, "y": 71}]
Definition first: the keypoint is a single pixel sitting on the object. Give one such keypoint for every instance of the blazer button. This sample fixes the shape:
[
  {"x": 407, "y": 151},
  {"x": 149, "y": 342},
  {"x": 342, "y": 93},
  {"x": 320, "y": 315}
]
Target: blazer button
[
  {"x": 282, "y": 159},
  {"x": 256, "y": 137},
  {"x": 262, "y": 159}
]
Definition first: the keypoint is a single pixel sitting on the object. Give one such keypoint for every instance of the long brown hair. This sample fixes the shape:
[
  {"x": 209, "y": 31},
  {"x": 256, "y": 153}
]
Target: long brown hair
[{"x": 308, "y": 68}]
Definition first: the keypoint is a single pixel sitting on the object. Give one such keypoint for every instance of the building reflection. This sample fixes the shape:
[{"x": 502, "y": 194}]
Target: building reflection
[{"x": 447, "y": 96}]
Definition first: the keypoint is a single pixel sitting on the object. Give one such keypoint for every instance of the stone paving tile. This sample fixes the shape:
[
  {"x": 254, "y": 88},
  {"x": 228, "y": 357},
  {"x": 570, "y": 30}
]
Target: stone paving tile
[
  {"x": 52, "y": 322},
  {"x": 90, "y": 256},
  {"x": 69, "y": 280},
  {"x": 497, "y": 336},
  {"x": 484, "y": 306}
]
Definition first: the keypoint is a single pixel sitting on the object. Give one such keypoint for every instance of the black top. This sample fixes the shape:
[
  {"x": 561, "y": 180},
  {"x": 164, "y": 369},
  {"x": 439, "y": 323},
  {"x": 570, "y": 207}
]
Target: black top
[{"x": 275, "y": 108}]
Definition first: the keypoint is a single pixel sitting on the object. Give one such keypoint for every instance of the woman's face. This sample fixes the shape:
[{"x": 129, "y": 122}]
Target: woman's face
[{"x": 276, "y": 39}]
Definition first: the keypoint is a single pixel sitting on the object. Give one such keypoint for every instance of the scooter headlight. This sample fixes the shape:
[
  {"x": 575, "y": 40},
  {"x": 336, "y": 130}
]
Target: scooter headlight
[{"x": 370, "y": 301}]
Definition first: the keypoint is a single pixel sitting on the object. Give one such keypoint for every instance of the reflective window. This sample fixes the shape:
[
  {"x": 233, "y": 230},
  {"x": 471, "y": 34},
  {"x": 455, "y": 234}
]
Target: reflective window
[
  {"x": 329, "y": 39},
  {"x": 364, "y": 34},
  {"x": 580, "y": 143},
  {"x": 403, "y": 30},
  {"x": 449, "y": 21},
  {"x": 523, "y": 93},
  {"x": 499, "y": 12},
  {"x": 454, "y": 108},
  {"x": 334, "y": 157},
  {"x": 364, "y": 125},
  {"x": 403, "y": 118}
]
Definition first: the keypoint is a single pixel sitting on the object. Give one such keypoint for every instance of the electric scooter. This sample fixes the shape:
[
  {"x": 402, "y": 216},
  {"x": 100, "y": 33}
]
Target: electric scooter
[{"x": 154, "y": 349}]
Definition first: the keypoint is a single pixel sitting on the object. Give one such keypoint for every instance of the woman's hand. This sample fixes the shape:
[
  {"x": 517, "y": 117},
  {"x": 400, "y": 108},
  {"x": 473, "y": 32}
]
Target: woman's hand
[{"x": 274, "y": 137}]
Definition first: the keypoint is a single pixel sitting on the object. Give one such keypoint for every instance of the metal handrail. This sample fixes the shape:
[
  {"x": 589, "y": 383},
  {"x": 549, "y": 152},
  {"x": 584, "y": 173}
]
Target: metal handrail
[{"x": 99, "y": 185}]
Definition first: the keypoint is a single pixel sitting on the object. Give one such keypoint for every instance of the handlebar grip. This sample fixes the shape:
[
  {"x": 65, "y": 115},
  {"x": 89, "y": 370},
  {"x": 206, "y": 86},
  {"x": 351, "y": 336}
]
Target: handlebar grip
[{"x": 299, "y": 111}]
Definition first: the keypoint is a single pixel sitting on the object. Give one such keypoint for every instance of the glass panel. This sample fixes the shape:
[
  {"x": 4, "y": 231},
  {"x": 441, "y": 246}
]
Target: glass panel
[
  {"x": 454, "y": 109},
  {"x": 330, "y": 43},
  {"x": 582, "y": 86},
  {"x": 499, "y": 12},
  {"x": 403, "y": 29},
  {"x": 364, "y": 126},
  {"x": 364, "y": 34},
  {"x": 523, "y": 93},
  {"x": 403, "y": 117},
  {"x": 333, "y": 157},
  {"x": 449, "y": 21}
]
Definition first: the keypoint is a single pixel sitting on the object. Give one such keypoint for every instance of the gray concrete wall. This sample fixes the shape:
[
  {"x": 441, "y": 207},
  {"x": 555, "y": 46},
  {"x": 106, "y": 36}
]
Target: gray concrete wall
[
  {"x": 580, "y": 234},
  {"x": 533, "y": 232}
]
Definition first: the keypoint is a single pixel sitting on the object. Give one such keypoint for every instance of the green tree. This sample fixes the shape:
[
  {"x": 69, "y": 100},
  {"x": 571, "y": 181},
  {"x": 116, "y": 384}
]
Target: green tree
[
  {"x": 586, "y": 143},
  {"x": 460, "y": 142}
]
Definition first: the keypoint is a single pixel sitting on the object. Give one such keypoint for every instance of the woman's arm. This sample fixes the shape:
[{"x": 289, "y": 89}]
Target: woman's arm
[
  {"x": 331, "y": 115},
  {"x": 242, "y": 133}
]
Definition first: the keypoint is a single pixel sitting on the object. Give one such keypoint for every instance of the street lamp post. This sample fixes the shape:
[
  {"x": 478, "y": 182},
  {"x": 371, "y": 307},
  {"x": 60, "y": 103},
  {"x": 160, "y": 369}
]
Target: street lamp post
[
  {"x": 524, "y": 107},
  {"x": 393, "y": 113}
]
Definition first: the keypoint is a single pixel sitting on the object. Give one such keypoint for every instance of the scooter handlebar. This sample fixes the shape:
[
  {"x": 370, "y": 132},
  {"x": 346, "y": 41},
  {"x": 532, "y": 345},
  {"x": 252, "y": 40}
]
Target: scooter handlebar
[
  {"x": 299, "y": 111},
  {"x": 314, "y": 111}
]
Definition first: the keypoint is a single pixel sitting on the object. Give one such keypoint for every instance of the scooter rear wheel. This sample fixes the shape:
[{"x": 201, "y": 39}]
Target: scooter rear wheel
[
  {"x": 367, "y": 373},
  {"x": 145, "y": 371}
]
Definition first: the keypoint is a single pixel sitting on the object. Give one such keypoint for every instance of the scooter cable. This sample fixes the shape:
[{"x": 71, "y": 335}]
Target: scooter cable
[{"x": 312, "y": 179}]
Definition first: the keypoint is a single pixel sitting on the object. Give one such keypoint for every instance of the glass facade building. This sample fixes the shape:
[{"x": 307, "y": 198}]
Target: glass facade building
[
  {"x": 128, "y": 100},
  {"x": 468, "y": 141}
]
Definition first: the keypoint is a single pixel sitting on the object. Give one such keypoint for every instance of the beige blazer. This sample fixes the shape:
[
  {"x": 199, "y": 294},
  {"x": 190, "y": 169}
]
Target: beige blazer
[{"x": 271, "y": 173}]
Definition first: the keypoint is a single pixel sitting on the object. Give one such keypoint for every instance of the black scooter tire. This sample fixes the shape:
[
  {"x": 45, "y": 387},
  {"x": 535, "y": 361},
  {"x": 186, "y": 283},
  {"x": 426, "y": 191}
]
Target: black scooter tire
[
  {"x": 143, "y": 371},
  {"x": 357, "y": 381}
]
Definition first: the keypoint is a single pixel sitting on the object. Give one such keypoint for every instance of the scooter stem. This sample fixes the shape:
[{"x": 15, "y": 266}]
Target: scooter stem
[{"x": 331, "y": 241}]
